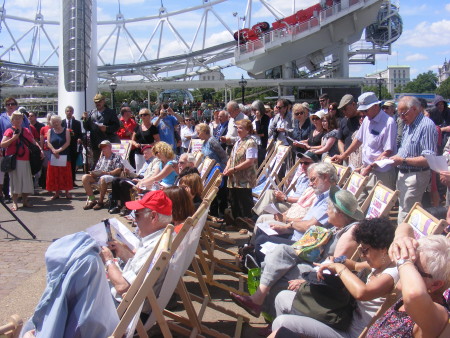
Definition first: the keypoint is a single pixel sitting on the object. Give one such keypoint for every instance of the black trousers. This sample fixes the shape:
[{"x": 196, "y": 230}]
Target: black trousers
[
  {"x": 121, "y": 190},
  {"x": 241, "y": 201}
]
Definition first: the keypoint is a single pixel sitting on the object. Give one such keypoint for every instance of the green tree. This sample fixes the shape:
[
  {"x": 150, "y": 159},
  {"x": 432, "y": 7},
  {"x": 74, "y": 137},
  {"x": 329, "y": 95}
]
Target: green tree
[
  {"x": 423, "y": 83},
  {"x": 385, "y": 95},
  {"x": 444, "y": 89}
]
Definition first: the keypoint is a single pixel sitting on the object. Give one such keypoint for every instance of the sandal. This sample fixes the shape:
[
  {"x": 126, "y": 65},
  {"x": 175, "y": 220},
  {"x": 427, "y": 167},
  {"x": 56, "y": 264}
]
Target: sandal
[
  {"x": 14, "y": 207},
  {"x": 90, "y": 205},
  {"x": 98, "y": 206},
  {"x": 54, "y": 197}
]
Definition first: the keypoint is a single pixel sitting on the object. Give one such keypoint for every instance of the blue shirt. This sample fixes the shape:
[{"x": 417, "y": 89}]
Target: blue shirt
[
  {"x": 5, "y": 123},
  {"x": 300, "y": 186},
  {"x": 166, "y": 129},
  {"x": 77, "y": 301},
  {"x": 169, "y": 180},
  {"x": 212, "y": 149},
  {"x": 317, "y": 211},
  {"x": 419, "y": 139}
]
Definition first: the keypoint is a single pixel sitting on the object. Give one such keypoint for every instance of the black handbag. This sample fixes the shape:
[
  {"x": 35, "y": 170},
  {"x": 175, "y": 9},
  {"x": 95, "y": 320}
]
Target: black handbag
[
  {"x": 35, "y": 156},
  {"x": 8, "y": 163},
  {"x": 327, "y": 301}
]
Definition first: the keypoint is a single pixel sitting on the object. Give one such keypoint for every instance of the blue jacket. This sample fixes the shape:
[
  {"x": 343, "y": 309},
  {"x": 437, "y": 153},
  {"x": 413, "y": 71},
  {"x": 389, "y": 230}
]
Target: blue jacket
[{"x": 77, "y": 301}]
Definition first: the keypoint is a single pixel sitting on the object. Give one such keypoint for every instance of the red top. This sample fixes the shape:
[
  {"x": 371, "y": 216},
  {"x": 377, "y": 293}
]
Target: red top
[
  {"x": 43, "y": 132},
  {"x": 24, "y": 153},
  {"x": 126, "y": 126}
]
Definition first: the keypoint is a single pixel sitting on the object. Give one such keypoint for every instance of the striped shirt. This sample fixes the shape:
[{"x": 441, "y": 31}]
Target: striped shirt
[{"x": 419, "y": 139}]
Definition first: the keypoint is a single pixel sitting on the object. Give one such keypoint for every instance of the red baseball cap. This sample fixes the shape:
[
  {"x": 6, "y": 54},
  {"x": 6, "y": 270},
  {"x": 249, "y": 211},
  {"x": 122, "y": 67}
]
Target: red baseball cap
[
  {"x": 154, "y": 200},
  {"x": 148, "y": 146}
]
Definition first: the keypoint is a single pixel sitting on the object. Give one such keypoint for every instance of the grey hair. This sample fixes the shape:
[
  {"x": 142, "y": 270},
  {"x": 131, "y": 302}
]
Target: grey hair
[
  {"x": 233, "y": 105},
  {"x": 259, "y": 105},
  {"x": 323, "y": 168},
  {"x": 189, "y": 157},
  {"x": 55, "y": 118},
  {"x": 436, "y": 250},
  {"x": 411, "y": 101},
  {"x": 165, "y": 219}
]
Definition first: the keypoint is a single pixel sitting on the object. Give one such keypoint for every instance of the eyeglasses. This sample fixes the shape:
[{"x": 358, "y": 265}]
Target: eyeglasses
[
  {"x": 144, "y": 114},
  {"x": 279, "y": 107},
  {"x": 405, "y": 113},
  {"x": 423, "y": 274},
  {"x": 11, "y": 104},
  {"x": 298, "y": 114},
  {"x": 181, "y": 162},
  {"x": 141, "y": 212},
  {"x": 313, "y": 179},
  {"x": 321, "y": 100},
  {"x": 315, "y": 118},
  {"x": 188, "y": 120}
]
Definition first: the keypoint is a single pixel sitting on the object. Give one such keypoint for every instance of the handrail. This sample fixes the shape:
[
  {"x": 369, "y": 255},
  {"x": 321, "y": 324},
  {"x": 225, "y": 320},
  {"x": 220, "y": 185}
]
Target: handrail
[{"x": 293, "y": 30}]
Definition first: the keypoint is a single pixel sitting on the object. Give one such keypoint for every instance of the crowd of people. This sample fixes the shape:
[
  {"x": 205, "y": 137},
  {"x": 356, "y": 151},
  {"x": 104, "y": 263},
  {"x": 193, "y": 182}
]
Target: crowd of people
[{"x": 385, "y": 141}]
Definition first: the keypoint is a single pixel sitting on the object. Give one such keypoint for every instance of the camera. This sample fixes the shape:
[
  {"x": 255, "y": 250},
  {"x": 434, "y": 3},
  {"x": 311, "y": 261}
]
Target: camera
[{"x": 17, "y": 131}]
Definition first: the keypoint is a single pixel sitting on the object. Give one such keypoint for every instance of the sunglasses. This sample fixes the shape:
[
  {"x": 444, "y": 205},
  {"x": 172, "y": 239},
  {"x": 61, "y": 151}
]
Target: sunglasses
[
  {"x": 298, "y": 114},
  {"x": 11, "y": 104},
  {"x": 322, "y": 100},
  {"x": 188, "y": 120},
  {"x": 315, "y": 119},
  {"x": 156, "y": 152},
  {"x": 144, "y": 114},
  {"x": 305, "y": 163},
  {"x": 279, "y": 107}
]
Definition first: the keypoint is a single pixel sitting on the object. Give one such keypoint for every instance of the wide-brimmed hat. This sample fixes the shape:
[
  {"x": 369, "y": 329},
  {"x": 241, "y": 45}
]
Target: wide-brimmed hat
[
  {"x": 154, "y": 200},
  {"x": 389, "y": 104},
  {"x": 309, "y": 155},
  {"x": 367, "y": 100},
  {"x": 346, "y": 202},
  {"x": 346, "y": 99},
  {"x": 98, "y": 98}
]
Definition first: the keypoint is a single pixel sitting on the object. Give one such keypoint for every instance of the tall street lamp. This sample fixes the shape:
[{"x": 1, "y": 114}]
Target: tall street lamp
[
  {"x": 113, "y": 87},
  {"x": 243, "y": 84},
  {"x": 380, "y": 82}
]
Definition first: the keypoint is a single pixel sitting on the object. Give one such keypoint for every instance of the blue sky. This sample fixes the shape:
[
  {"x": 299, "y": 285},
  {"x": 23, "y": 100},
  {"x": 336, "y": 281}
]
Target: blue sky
[{"x": 424, "y": 45}]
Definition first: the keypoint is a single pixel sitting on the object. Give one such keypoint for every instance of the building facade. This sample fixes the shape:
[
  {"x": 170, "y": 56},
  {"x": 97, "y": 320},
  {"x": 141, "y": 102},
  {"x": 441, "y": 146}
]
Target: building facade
[{"x": 392, "y": 77}]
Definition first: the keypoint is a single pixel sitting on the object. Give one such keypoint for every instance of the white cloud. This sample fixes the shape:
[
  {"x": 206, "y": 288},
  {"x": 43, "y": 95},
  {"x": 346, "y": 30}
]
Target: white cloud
[
  {"x": 416, "y": 57},
  {"x": 434, "y": 68},
  {"x": 414, "y": 72},
  {"x": 447, "y": 7},
  {"x": 427, "y": 35}
]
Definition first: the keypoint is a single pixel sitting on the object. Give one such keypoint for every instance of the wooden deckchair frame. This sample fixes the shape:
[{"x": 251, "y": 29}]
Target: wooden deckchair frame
[
  {"x": 12, "y": 328},
  {"x": 206, "y": 168},
  {"x": 342, "y": 172},
  {"x": 291, "y": 173},
  {"x": 421, "y": 220},
  {"x": 389, "y": 200},
  {"x": 356, "y": 183},
  {"x": 195, "y": 145},
  {"x": 271, "y": 146}
]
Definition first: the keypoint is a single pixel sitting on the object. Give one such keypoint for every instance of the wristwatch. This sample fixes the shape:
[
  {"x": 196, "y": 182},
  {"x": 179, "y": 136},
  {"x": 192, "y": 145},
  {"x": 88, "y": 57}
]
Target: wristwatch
[
  {"x": 108, "y": 263},
  {"x": 402, "y": 261}
]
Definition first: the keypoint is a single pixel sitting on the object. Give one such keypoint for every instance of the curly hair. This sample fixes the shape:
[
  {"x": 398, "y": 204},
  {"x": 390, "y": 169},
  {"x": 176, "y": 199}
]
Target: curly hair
[
  {"x": 164, "y": 149},
  {"x": 376, "y": 232},
  {"x": 182, "y": 200}
]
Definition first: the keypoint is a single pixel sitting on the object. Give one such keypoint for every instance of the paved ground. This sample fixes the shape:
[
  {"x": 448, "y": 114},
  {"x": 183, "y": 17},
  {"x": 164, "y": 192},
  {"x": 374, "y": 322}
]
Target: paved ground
[{"x": 22, "y": 265}]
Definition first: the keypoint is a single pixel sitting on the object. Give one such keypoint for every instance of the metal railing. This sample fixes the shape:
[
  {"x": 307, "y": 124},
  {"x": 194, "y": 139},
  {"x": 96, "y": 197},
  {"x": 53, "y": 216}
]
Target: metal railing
[{"x": 293, "y": 32}]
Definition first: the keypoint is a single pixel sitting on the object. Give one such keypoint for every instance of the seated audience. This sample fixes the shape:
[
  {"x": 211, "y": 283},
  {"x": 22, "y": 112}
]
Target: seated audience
[
  {"x": 329, "y": 144},
  {"x": 78, "y": 302},
  {"x": 167, "y": 173},
  {"x": 315, "y": 135},
  {"x": 282, "y": 263},
  {"x": 194, "y": 186},
  {"x": 108, "y": 166},
  {"x": 424, "y": 276},
  {"x": 322, "y": 177},
  {"x": 121, "y": 187},
  {"x": 375, "y": 236}
]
